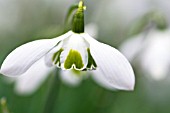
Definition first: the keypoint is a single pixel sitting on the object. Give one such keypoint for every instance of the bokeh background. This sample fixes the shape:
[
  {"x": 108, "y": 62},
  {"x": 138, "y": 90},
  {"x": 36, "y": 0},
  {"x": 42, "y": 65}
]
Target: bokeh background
[{"x": 22, "y": 21}]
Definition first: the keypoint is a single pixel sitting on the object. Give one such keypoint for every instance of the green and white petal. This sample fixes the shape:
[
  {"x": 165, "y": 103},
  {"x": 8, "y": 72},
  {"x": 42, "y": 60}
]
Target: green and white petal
[
  {"x": 23, "y": 57},
  {"x": 30, "y": 81},
  {"x": 111, "y": 64},
  {"x": 74, "y": 54},
  {"x": 51, "y": 57}
]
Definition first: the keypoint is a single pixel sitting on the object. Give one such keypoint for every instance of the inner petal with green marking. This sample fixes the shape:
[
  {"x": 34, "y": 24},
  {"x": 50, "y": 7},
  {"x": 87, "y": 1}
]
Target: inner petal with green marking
[
  {"x": 91, "y": 63},
  {"x": 56, "y": 58},
  {"x": 74, "y": 54},
  {"x": 73, "y": 60}
]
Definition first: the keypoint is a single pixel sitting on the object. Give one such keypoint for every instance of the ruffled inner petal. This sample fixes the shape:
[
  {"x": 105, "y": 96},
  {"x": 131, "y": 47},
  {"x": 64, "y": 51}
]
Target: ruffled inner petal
[{"x": 74, "y": 54}]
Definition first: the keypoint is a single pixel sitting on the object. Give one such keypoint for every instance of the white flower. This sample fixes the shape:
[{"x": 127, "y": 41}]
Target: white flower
[
  {"x": 38, "y": 73},
  {"x": 152, "y": 51},
  {"x": 73, "y": 51}
]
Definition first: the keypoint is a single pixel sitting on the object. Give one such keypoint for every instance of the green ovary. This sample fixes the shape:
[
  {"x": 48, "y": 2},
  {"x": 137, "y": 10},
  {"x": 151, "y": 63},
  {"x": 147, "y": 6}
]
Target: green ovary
[{"x": 73, "y": 58}]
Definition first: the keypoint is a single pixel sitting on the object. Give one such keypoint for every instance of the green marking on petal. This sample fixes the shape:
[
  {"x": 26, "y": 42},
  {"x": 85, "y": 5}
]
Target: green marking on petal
[
  {"x": 73, "y": 59},
  {"x": 56, "y": 57},
  {"x": 91, "y": 63}
]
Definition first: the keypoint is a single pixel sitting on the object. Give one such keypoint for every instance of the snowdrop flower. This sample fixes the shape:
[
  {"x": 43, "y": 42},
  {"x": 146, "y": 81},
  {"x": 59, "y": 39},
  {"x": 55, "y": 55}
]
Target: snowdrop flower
[
  {"x": 39, "y": 72},
  {"x": 152, "y": 52},
  {"x": 75, "y": 50}
]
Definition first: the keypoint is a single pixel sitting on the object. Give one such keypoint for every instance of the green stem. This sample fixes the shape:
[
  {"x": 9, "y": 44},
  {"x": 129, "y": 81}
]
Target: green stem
[
  {"x": 53, "y": 93},
  {"x": 3, "y": 106},
  {"x": 103, "y": 104}
]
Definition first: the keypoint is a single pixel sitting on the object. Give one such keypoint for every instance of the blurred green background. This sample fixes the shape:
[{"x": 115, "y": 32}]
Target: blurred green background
[{"x": 22, "y": 21}]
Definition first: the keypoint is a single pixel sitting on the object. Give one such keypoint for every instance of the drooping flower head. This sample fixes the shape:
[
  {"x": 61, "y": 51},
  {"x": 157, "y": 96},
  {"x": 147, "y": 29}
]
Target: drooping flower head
[
  {"x": 151, "y": 51},
  {"x": 75, "y": 50},
  {"x": 149, "y": 46}
]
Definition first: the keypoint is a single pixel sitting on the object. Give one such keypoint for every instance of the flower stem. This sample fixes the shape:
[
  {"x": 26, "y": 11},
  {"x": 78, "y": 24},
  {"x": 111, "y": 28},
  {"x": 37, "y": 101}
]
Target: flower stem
[
  {"x": 52, "y": 95},
  {"x": 104, "y": 101},
  {"x": 3, "y": 106}
]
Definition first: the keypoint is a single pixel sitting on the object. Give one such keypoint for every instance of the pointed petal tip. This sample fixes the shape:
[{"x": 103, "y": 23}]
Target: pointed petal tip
[
  {"x": 3, "y": 72},
  {"x": 130, "y": 86},
  {"x": 127, "y": 87},
  {"x": 8, "y": 73}
]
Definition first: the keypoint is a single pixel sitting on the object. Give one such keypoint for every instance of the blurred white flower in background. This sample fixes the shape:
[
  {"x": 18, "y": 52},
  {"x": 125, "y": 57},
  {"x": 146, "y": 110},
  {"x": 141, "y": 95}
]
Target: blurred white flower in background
[
  {"x": 30, "y": 81},
  {"x": 151, "y": 50}
]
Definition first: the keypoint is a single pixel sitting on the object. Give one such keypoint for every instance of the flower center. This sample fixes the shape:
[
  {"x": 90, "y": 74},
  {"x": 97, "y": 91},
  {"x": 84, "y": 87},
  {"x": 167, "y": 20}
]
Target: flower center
[{"x": 74, "y": 54}]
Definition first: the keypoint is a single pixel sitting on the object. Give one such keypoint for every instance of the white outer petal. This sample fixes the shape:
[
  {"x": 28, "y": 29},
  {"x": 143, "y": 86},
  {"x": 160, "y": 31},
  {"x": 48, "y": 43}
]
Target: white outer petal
[
  {"x": 112, "y": 65},
  {"x": 102, "y": 81},
  {"x": 70, "y": 78},
  {"x": 74, "y": 42},
  {"x": 21, "y": 59},
  {"x": 30, "y": 81}
]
